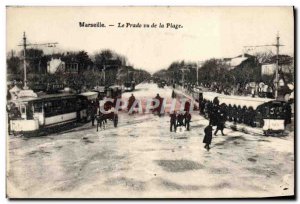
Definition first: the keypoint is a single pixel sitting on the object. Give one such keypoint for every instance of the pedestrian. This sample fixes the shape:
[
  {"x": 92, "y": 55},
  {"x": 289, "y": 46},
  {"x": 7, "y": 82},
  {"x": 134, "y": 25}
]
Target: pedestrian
[
  {"x": 180, "y": 119},
  {"x": 8, "y": 109},
  {"x": 220, "y": 126},
  {"x": 173, "y": 121},
  {"x": 157, "y": 109},
  {"x": 213, "y": 118},
  {"x": 207, "y": 137},
  {"x": 131, "y": 100},
  {"x": 202, "y": 106},
  {"x": 220, "y": 120},
  {"x": 93, "y": 112},
  {"x": 173, "y": 94},
  {"x": 187, "y": 106},
  {"x": 188, "y": 118},
  {"x": 287, "y": 110}
]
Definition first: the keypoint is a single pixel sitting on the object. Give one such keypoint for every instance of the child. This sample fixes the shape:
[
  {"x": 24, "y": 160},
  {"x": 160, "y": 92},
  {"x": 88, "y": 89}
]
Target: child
[{"x": 207, "y": 137}]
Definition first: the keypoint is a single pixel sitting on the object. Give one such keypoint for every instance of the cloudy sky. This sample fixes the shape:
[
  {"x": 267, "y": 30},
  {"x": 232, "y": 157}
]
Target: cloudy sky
[{"x": 206, "y": 31}]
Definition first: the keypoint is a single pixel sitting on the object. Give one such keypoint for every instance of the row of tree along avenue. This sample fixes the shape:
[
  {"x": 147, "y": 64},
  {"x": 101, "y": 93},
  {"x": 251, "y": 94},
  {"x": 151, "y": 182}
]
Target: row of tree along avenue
[
  {"x": 76, "y": 70},
  {"x": 232, "y": 75}
]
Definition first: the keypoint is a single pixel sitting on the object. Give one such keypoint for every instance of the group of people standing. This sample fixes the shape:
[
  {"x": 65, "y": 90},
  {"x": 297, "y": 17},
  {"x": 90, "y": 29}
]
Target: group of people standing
[
  {"x": 180, "y": 119},
  {"x": 217, "y": 115}
]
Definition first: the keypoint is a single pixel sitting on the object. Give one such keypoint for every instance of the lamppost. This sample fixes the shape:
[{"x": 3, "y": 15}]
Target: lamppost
[
  {"x": 199, "y": 64},
  {"x": 24, "y": 62},
  {"x": 183, "y": 70},
  {"x": 103, "y": 72},
  {"x": 24, "y": 45},
  {"x": 277, "y": 45}
]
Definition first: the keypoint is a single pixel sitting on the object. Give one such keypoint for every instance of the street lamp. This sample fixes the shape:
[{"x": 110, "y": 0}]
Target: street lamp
[
  {"x": 183, "y": 70},
  {"x": 199, "y": 64},
  {"x": 103, "y": 71}
]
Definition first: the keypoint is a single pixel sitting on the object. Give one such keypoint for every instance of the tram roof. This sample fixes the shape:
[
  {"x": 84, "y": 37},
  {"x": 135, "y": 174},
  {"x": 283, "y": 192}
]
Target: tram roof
[
  {"x": 44, "y": 97},
  {"x": 89, "y": 93},
  {"x": 237, "y": 100}
]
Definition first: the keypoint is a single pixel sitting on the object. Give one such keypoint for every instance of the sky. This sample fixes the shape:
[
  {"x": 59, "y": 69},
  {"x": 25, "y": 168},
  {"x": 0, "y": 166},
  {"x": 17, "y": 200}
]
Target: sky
[{"x": 206, "y": 32}]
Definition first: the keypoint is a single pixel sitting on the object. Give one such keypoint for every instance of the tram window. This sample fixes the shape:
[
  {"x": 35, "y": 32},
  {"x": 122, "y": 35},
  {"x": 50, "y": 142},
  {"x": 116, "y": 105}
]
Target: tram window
[
  {"x": 38, "y": 107},
  {"x": 67, "y": 105},
  {"x": 48, "y": 104},
  {"x": 57, "y": 107},
  {"x": 29, "y": 111},
  {"x": 267, "y": 112},
  {"x": 23, "y": 109},
  {"x": 64, "y": 105},
  {"x": 279, "y": 112},
  {"x": 272, "y": 111},
  {"x": 70, "y": 105}
]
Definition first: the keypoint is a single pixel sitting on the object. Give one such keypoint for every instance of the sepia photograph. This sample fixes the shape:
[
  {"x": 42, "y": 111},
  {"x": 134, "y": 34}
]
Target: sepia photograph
[{"x": 157, "y": 102}]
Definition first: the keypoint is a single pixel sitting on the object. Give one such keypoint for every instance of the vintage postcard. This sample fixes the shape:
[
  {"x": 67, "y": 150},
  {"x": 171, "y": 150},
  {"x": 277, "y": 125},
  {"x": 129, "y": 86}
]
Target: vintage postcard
[{"x": 150, "y": 102}]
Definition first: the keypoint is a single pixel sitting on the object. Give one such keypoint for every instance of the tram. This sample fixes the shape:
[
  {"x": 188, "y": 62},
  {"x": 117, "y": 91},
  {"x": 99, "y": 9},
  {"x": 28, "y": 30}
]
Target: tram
[
  {"x": 129, "y": 86},
  {"x": 161, "y": 84},
  {"x": 269, "y": 114},
  {"x": 31, "y": 114}
]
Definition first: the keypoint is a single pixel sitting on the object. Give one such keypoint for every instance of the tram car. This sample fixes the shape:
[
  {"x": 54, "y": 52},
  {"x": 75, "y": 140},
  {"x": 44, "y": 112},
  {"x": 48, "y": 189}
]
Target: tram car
[
  {"x": 161, "y": 84},
  {"x": 32, "y": 114},
  {"x": 269, "y": 114},
  {"x": 129, "y": 86}
]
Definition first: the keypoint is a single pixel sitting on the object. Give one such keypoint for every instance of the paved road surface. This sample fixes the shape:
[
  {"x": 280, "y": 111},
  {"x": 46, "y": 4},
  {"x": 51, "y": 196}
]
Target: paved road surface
[{"x": 141, "y": 158}]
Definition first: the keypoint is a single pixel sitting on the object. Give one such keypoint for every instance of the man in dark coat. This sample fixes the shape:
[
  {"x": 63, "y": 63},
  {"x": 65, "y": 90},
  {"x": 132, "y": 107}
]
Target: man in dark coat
[
  {"x": 173, "y": 94},
  {"x": 158, "y": 109},
  {"x": 93, "y": 112},
  {"x": 287, "y": 114},
  {"x": 220, "y": 122},
  {"x": 180, "y": 118},
  {"x": 220, "y": 126},
  {"x": 187, "y": 118},
  {"x": 187, "y": 106},
  {"x": 173, "y": 121},
  {"x": 207, "y": 137},
  {"x": 131, "y": 100}
]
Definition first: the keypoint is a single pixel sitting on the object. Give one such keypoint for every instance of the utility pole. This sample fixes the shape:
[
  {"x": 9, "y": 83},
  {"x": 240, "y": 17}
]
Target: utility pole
[
  {"x": 277, "y": 66},
  {"x": 24, "y": 45},
  {"x": 277, "y": 45},
  {"x": 24, "y": 62},
  {"x": 183, "y": 70},
  {"x": 197, "y": 68},
  {"x": 103, "y": 71}
]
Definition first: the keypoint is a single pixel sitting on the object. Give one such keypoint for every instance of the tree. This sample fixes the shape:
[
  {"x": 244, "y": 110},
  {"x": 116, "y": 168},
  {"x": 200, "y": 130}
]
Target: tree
[
  {"x": 102, "y": 58},
  {"x": 33, "y": 58},
  {"x": 13, "y": 65},
  {"x": 84, "y": 61},
  {"x": 263, "y": 57},
  {"x": 247, "y": 71}
]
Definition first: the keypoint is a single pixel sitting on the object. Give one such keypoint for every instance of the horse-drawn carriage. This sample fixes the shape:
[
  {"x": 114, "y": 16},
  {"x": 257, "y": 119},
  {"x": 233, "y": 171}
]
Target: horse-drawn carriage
[
  {"x": 103, "y": 117},
  {"x": 107, "y": 108}
]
